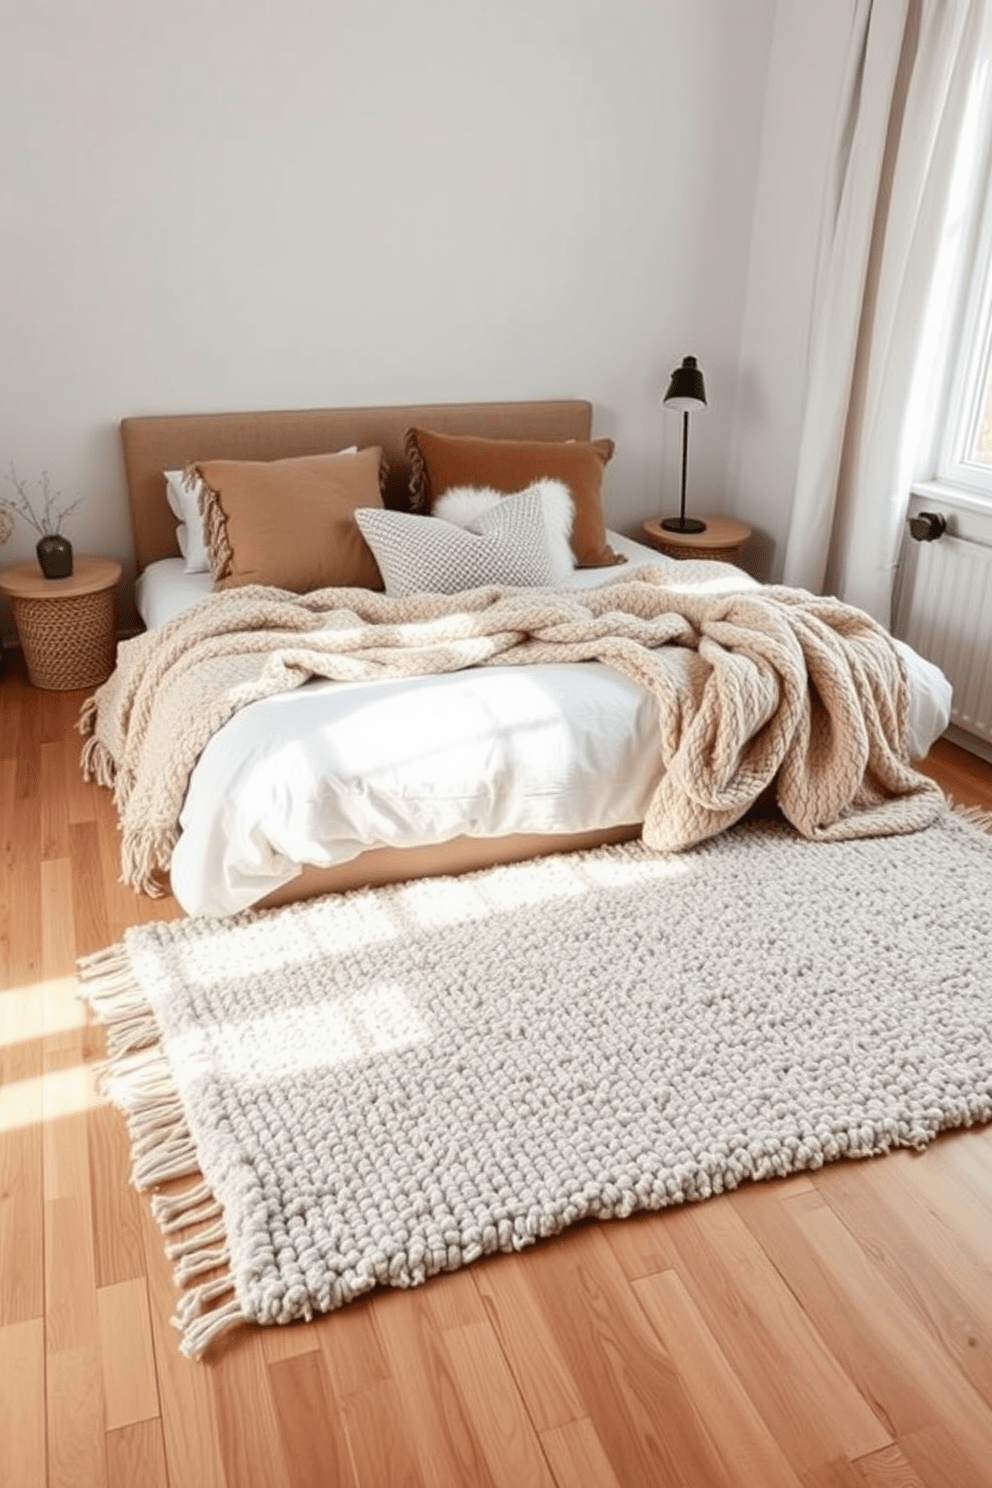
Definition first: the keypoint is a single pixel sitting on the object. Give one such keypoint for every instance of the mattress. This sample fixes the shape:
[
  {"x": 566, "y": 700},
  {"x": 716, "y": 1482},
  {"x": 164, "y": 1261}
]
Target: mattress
[{"x": 319, "y": 775}]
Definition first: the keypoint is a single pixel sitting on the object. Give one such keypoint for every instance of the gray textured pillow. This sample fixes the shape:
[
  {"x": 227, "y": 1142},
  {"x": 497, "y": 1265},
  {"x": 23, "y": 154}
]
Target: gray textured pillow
[{"x": 418, "y": 555}]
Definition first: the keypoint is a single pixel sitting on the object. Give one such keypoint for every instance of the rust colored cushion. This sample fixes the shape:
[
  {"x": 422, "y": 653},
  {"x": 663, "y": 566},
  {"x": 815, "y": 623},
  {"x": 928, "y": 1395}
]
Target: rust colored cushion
[
  {"x": 440, "y": 461},
  {"x": 291, "y": 523}
]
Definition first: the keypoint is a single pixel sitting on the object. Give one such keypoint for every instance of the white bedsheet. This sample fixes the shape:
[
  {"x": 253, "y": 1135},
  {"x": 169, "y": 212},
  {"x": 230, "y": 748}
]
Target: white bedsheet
[{"x": 319, "y": 775}]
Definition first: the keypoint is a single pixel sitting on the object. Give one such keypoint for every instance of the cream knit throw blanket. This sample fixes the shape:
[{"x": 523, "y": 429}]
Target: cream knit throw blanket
[{"x": 786, "y": 687}]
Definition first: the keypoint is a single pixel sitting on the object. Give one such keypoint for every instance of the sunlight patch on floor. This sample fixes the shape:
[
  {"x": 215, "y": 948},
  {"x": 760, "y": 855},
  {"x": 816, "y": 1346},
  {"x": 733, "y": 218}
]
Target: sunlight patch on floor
[
  {"x": 39, "y": 1009},
  {"x": 49, "y": 1097}
]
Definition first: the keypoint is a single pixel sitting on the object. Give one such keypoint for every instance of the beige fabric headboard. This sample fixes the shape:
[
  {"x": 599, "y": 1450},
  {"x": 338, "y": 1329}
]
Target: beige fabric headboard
[{"x": 160, "y": 442}]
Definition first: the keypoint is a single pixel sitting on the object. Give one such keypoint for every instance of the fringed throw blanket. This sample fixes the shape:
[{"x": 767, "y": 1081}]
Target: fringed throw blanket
[{"x": 786, "y": 687}]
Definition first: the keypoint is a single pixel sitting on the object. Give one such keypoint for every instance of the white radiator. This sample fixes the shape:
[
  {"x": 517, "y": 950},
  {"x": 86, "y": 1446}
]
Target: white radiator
[{"x": 944, "y": 611}]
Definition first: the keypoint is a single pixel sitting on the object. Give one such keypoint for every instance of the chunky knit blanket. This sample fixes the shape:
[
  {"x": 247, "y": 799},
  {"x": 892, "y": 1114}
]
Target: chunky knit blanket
[{"x": 785, "y": 687}]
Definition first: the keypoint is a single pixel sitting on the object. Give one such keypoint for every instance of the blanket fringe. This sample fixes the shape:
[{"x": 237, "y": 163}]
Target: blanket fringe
[
  {"x": 144, "y": 856},
  {"x": 137, "y": 1078}
]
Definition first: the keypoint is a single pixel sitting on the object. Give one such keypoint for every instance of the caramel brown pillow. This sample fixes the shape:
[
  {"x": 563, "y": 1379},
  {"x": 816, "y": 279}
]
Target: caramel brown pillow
[
  {"x": 440, "y": 461},
  {"x": 291, "y": 523}
]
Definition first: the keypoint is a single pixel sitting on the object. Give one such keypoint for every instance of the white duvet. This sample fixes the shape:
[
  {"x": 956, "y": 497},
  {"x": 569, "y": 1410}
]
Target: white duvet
[{"x": 321, "y": 774}]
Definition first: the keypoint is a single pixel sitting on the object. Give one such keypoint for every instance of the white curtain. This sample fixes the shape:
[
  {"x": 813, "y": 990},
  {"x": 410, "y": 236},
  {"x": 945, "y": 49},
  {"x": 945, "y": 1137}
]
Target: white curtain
[{"x": 912, "y": 68}]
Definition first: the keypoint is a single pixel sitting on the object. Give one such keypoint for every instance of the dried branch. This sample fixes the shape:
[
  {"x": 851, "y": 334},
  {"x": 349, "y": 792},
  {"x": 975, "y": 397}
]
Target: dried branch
[{"x": 51, "y": 518}]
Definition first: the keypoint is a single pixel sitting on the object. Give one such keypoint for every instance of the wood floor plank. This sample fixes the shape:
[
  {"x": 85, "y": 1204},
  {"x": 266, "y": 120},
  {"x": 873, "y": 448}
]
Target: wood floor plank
[
  {"x": 71, "y": 1316},
  {"x": 505, "y": 1431},
  {"x": 315, "y": 1445},
  {"x": 887, "y": 1469},
  {"x": 186, "y": 1399},
  {"x": 89, "y": 903},
  {"x": 793, "y": 1378},
  {"x": 80, "y": 795},
  {"x": 54, "y": 838},
  {"x": 454, "y": 1300},
  {"x": 136, "y": 1456},
  {"x": 23, "y": 896},
  {"x": 929, "y": 1390},
  {"x": 118, "y": 1248},
  {"x": 628, "y": 1384},
  {"x": 939, "y": 1459},
  {"x": 576, "y": 1456},
  {"x": 438, "y": 1426},
  {"x": 939, "y": 1279},
  {"x": 289, "y": 1342},
  {"x": 21, "y": 1194},
  {"x": 380, "y": 1441},
  {"x": 22, "y": 1405},
  {"x": 130, "y": 1388},
  {"x": 529, "y": 1345},
  {"x": 251, "y": 1445},
  {"x": 58, "y": 931},
  {"x": 352, "y": 1348},
  {"x": 747, "y": 1448},
  {"x": 77, "y": 1449}
]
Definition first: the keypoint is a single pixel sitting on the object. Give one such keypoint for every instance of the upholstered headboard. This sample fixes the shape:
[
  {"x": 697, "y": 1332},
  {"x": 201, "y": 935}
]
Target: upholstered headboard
[{"x": 155, "y": 443}]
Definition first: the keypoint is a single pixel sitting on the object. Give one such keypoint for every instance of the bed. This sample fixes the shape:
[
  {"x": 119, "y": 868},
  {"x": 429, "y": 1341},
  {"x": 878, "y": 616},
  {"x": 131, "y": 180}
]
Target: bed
[{"x": 335, "y": 785}]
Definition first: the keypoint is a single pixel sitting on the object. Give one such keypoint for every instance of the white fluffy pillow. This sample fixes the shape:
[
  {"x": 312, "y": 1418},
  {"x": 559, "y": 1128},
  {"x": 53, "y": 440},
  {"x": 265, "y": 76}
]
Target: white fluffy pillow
[
  {"x": 184, "y": 499},
  {"x": 466, "y": 505},
  {"x": 418, "y": 555}
]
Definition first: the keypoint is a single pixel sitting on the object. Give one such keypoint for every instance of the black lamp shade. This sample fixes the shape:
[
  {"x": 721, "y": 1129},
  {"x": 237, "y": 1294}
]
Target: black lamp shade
[{"x": 686, "y": 391}]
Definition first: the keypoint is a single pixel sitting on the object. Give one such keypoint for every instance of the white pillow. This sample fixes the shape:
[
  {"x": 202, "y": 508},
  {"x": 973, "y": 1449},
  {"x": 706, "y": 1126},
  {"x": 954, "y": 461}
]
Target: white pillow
[
  {"x": 183, "y": 496},
  {"x": 465, "y": 506},
  {"x": 418, "y": 554}
]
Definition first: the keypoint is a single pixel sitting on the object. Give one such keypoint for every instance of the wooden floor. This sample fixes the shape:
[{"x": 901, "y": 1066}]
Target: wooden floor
[{"x": 829, "y": 1329}]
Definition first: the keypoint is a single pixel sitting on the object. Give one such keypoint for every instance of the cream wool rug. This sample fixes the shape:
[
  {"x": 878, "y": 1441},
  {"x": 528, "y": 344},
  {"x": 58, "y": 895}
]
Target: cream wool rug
[{"x": 373, "y": 1088}]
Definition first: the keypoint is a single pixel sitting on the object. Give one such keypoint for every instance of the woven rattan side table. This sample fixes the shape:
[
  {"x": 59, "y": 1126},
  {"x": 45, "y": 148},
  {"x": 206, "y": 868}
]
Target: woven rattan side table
[
  {"x": 66, "y": 626},
  {"x": 723, "y": 539}
]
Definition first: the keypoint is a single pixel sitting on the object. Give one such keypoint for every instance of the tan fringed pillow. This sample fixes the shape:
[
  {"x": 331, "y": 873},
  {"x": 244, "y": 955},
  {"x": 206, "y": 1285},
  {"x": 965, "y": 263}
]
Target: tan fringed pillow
[
  {"x": 440, "y": 461},
  {"x": 291, "y": 523}
]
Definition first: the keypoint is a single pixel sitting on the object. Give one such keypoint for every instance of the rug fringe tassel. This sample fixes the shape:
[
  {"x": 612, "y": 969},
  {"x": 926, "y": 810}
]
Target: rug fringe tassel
[
  {"x": 199, "y": 1263},
  {"x": 193, "y": 1302},
  {"x": 137, "y": 1079},
  {"x": 196, "y": 1243},
  {"x": 198, "y": 1336},
  {"x": 979, "y": 816},
  {"x": 108, "y": 986},
  {"x": 192, "y": 1206}
]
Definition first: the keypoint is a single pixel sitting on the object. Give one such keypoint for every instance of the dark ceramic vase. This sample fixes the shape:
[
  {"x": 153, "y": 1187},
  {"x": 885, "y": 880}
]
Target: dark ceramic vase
[{"x": 54, "y": 555}]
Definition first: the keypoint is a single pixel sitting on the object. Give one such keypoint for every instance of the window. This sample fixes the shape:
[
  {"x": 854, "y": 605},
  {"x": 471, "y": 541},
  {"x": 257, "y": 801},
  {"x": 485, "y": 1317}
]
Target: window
[{"x": 963, "y": 448}]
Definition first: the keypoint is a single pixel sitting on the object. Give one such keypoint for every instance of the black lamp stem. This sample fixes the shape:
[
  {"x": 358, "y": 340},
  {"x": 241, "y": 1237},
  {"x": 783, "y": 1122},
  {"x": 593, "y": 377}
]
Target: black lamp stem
[
  {"x": 682, "y": 523},
  {"x": 685, "y": 451}
]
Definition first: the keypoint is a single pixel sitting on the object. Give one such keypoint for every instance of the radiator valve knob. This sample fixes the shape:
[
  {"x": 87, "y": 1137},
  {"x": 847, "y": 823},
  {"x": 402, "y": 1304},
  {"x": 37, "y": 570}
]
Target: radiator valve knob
[{"x": 927, "y": 526}]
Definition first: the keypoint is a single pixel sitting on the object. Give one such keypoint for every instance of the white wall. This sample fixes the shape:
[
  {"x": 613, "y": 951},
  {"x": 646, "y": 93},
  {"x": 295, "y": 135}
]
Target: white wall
[{"x": 215, "y": 205}]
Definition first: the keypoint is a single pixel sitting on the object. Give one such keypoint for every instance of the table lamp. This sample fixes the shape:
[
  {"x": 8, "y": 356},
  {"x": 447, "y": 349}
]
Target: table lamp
[{"x": 685, "y": 394}]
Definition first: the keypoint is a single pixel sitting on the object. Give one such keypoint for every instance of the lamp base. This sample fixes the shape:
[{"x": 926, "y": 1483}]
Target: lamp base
[{"x": 683, "y": 524}]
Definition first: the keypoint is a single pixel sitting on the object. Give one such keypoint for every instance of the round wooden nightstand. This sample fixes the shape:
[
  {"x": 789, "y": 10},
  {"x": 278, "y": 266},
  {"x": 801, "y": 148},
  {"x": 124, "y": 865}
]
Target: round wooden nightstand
[
  {"x": 66, "y": 626},
  {"x": 722, "y": 539}
]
